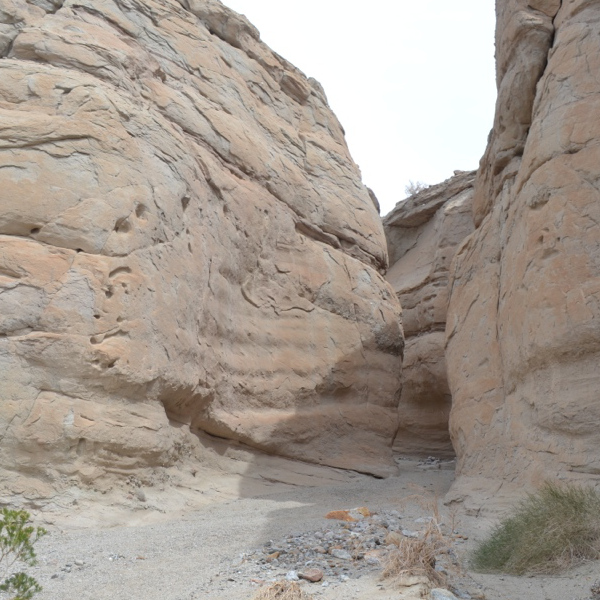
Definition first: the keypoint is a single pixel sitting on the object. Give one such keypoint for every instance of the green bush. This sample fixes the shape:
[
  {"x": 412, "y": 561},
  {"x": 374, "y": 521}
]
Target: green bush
[
  {"x": 17, "y": 537},
  {"x": 553, "y": 529}
]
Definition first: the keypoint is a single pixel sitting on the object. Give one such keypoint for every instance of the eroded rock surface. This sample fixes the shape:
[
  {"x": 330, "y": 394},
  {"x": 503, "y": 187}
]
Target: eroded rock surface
[
  {"x": 524, "y": 319},
  {"x": 423, "y": 233},
  {"x": 185, "y": 246}
]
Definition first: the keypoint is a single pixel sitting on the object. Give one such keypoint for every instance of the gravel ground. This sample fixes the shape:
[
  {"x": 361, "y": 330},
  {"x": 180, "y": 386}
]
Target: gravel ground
[{"x": 220, "y": 551}]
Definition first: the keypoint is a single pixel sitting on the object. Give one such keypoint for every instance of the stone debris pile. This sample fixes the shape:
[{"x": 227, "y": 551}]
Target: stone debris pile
[{"x": 355, "y": 544}]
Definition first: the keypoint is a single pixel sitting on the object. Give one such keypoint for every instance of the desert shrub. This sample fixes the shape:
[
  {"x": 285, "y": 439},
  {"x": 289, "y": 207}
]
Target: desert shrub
[
  {"x": 17, "y": 537},
  {"x": 414, "y": 187},
  {"x": 282, "y": 590},
  {"x": 553, "y": 529}
]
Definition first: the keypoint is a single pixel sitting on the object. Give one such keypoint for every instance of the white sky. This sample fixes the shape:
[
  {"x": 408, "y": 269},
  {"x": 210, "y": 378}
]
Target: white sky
[{"x": 412, "y": 82}]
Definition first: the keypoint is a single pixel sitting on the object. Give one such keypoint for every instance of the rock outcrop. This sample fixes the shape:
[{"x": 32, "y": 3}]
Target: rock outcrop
[
  {"x": 524, "y": 318},
  {"x": 185, "y": 246},
  {"x": 423, "y": 233}
]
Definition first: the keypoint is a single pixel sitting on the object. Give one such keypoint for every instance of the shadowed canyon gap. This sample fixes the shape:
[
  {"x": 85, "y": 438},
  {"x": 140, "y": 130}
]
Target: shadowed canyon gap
[{"x": 423, "y": 233}]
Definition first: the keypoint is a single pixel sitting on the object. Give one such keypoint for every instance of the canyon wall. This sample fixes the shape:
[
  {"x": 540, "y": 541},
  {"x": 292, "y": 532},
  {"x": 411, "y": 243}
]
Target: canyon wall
[
  {"x": 186, "y": 247},
  {"x": 523, "y": 328},
  {"x": 423, "y": 233}
]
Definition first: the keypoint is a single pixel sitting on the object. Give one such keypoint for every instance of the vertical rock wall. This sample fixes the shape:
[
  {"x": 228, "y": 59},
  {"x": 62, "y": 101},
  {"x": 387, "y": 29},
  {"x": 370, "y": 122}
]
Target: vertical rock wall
[
  {"x": 185, "y": 246},
  {"x": 524, "y": 319},
  {"x": 423, "y": 233}
]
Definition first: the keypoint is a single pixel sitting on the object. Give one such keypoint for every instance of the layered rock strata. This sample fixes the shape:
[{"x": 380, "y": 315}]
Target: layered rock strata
[
  {"x": 423, "y": 233},
  {"x": 524, "y": 319},
  {"x": 185, "y": 246}
]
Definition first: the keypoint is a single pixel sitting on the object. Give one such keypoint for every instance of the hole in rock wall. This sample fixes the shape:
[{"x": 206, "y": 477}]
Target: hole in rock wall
[
  {"x": 122, "y": 226},
  {"x": 140, "y": 211}
]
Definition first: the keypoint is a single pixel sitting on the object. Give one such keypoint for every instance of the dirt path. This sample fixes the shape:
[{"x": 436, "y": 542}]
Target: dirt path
[{"x": 152, "y": 553}]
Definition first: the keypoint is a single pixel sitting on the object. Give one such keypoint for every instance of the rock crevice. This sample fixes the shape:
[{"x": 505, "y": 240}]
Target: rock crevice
[{"x": 423, "y": 234}]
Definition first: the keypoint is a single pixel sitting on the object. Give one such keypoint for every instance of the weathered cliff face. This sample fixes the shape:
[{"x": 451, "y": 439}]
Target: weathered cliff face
[
  {"x": 523, "y": 325},
  {"x": 423, "y": 233},
  {"x": 185, "y": 245}
]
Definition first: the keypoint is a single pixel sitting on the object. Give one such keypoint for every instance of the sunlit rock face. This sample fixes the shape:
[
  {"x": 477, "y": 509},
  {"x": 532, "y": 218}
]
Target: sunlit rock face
[
  {"x": 185, "y": 246},
  {"x": 523, "y": 324},
  {"x": 423, "y": 233}
]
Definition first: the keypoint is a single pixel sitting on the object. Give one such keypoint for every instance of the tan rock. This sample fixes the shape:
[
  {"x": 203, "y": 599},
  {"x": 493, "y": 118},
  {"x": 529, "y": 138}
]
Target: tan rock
[
  {"x": 412, "y": 587},
  {"x": 523, "y": 39},
  {"x": 312, "y": 575},
  {"x": 185, "y": 247},
  {"x": 548, "y": 7},
  {"x": 350, "y": 515},
  {"x": 375, "y": 557},
  {"x": 423, "y": 233},
  {"x": 523, "y": 324}
]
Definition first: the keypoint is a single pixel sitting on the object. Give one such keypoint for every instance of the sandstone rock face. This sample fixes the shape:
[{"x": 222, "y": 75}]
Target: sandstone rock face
[
  {"x": 185, "y": 246},
  {"x": 423, "y": 233},
  {"x": 524, "y": 319}
]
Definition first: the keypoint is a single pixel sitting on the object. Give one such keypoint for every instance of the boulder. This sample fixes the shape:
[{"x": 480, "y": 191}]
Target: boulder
[
  {"x": 523, "y": 325},
  {"x": 186, "y": 248}
]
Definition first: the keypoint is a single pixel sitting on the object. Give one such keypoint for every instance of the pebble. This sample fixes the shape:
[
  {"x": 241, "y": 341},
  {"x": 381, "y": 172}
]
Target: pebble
[
  {"x": 312, "y": 575},
  {"x": 114, "y": 557},
  {"x": 339, "y": 553},
  {"x": 440, "y": 594},
  {"x": 410, "y": 534},
  {"x": 373, "y": 557}
]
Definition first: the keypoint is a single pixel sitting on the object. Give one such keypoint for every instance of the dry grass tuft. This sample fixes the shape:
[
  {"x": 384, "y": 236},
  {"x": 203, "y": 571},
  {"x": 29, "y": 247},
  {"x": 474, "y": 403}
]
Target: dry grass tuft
[
  {"x": 553, "y": 529},
  {"x": 282, "y": 590},
  {"x": 416, "y": 557}
]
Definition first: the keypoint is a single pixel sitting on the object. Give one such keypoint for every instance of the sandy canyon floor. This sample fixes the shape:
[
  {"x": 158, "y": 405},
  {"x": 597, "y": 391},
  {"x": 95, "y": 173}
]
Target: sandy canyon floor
[{"x": 136, "y": 542}]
